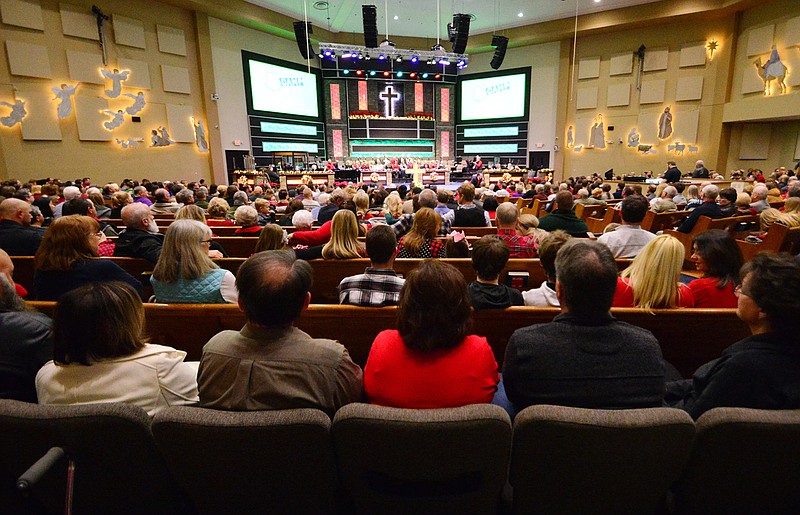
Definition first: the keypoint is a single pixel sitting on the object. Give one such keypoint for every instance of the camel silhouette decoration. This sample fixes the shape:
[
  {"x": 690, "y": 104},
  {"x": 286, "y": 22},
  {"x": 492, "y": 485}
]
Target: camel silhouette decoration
[{"x": 773, "y": 69}]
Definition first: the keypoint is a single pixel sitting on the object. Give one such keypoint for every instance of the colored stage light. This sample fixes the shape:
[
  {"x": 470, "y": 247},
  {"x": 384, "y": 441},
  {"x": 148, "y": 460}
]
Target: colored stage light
[
  {"x": 346, "y": 72},
  {"x": 413, "y": 75},
  {"x": 399, "y": 74},
  {"x": 372, "y": 73},
  {"x": 399, "y": 59},
  {"x": 414, "y": 59},
  {"x": 424, "y": 75},
  {"x": 437, "y": 76},
  {"x": 444, "y": 62},
  {"x": 381, "y": 57},
  {"x": 359, "y": 72},
  {"x": 385, "y": 74},
  {"x": 328, "y": 53}
]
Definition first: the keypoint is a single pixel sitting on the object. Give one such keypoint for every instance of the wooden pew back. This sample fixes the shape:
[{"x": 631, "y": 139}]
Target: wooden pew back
[
  {"x": 655, "y": 222},
  {"x": 682, "y": 333},
  {"x": 584, "y": 211}
]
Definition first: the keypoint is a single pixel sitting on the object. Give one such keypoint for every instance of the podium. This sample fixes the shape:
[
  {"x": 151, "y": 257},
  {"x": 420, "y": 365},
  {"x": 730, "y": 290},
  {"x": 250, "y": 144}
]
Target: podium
[
  {"x": 376, "y": 177},
  {"x": 293, "y": 180}
]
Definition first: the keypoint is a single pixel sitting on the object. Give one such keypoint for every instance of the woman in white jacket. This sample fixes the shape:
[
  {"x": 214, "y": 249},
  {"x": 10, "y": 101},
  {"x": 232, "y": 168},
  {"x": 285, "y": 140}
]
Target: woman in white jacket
[{"x": 100, "y": 355}]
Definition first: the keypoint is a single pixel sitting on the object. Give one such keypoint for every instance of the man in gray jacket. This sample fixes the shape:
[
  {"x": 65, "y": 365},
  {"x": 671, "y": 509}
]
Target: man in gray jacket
[{"x": 585, "y": 357}]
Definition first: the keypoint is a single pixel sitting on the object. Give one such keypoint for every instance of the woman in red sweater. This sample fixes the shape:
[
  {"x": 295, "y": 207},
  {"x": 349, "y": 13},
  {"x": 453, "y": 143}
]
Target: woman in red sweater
[
  {"x": 719, "y": 258},
  {"x": 431, "y": 360}
]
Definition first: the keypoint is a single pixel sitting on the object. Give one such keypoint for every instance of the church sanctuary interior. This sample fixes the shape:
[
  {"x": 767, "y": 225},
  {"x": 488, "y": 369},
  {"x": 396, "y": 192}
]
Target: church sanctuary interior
[{"x": 390, "y": 95}]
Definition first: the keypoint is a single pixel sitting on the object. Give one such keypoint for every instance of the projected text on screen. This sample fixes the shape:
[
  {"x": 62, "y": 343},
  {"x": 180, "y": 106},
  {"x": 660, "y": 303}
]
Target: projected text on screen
[
  {"x": 493, "y": 97},
  {"x": 283, "y": 90}
]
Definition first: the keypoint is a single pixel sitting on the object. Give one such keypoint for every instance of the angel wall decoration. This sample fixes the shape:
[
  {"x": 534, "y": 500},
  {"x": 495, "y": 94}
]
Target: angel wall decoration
[
  {"x": 116, "y": 121},
  {"x": 16, "y": 115},
  {"x": 64, "y": 95},
  {"x": 665, "y": 124},
  {"x": 160, "y": 137},
  {"x": 116, "y": 77},
  {"x": 138, "y": 103}
]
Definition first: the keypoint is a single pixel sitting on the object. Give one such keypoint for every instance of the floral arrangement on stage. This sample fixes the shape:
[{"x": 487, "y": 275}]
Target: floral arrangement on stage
[
  {"x": 374, "y": 177},
  {"x": 364, "y": 114},
  {"x": 434, "y": 176},
  {"x": 306, "y": 179},
  {"x": 507, "y": 177},
  {"x": 421, "y": 116}
]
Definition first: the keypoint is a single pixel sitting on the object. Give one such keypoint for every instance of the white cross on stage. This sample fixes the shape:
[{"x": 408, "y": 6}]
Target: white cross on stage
[{"x": 389, "y": 97}]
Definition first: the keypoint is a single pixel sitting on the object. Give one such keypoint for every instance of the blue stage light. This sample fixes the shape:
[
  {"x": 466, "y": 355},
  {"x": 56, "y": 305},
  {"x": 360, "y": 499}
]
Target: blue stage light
[
  {"x": 424, "y": 75},
  {"x": 399, "y": 74},
  {"x": 346, "y": 72},
  {"x": 414, "y": 59}
]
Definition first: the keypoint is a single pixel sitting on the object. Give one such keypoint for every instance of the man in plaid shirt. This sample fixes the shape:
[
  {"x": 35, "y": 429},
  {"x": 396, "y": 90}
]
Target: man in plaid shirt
[
  {"x": 520, "y": 246},
  {"x": 379, "y": 285}
]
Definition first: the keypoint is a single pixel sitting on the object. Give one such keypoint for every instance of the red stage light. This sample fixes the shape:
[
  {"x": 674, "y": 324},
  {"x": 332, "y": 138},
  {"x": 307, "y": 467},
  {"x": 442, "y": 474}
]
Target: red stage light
[
  {"x": 413, "y": 75},
  {"x": 359, "y": 72},
  {"x": 437, "y": 76},
  {"x": 385, "y": 74}
]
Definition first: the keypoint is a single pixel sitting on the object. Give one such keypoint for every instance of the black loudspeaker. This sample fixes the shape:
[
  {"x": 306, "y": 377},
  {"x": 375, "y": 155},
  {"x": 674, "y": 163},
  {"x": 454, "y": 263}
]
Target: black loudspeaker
[
  {"x": 370, "y": 16},
  {"x": 500, "y": 44},
  {"x": 301, "y": 32},
  {"x": 459, "y": 32}
]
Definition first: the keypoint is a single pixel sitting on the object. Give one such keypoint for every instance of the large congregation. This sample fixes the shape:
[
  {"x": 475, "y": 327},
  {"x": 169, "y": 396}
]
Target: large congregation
[{"x": 95, "y": 349}]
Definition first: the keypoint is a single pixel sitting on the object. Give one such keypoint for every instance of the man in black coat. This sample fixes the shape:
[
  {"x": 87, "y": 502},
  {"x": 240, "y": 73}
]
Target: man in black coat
[
  {"x": 708, "y": 208},
  {"x": 327, "y": 211},
  {"x": 17, "y": 237},
  {"x": 141, "y": 238},
  {"x": 585, "y": 357},
  {"x": 700, "y": 171},
  {"x": 673, "y": 174}
]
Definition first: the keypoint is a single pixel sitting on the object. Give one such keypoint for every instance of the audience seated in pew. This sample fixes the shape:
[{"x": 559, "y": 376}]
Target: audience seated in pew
[
  {"x": 545, "y": 295},
  {"x": 193, "y": 212},
  {"x": 707, "y": 207},
  {"x": 420, "y": 241},
  {"x": 64, "y": 259},
  {"x": 628, "y": 239},
  {"x": 141, "y": 238},
  {"x": 651, "y": 280},
  {"x": 17, "y": 237},
  {"x": 379, "y": 285},
  {"x": 100, "y": 355},
  {"x": 528, "y": 225},
  {"x": 584, "y": 357},
  {"x": 431, "y": 360},
  {"x": 272, "y": 237},
  {"x": 217, "y": 212},
  {"x": 185, "y": 274},
  {"x": 489, "y": 258},
  {"x": 719, "y": 258},
  {"x": 344, "y": 242},
  {"x": 247, "y": 220},
  {"x": 270, "y": 364},
  {"x": 763, "y": 370},
  {"x": 563, "y": 217},
  {"x": 519, "y": 246}
]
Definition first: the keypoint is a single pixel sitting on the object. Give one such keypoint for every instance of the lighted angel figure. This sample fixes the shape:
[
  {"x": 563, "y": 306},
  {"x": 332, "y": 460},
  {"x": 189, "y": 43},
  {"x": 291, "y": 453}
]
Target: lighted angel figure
[
  {"x": 597, "y": 134},
  {"x": 200, "y": 135},
  {"x": 570, "y": 138},
  {"x": 165, "y": 134},
  {"x": 116, "y": 121},
  {"x": 116, "y": 77},
  {"x": 16, "y": 115},
  {"x": 64, "y": 95},
  {"x": 138, "y": 103},
  {"x": 633, "y": 138},
  {"x": 160, "y": 137}
]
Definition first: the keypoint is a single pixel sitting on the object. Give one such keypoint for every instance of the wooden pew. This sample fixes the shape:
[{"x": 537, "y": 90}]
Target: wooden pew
[
  {"x": 584, "y": 211},
  {"x": 705, "y": 223},
  {"x": 655, "y": 222},
  {"x": 779, "y": 238},
  {"x": 596, "y": 225},
  {"x": 682, "y": 333}
]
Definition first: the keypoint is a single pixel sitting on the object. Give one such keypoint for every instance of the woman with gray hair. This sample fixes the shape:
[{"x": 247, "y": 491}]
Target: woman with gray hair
[
  {"x": 247, "y": 218},
  {"x": 184, "y": 272}
]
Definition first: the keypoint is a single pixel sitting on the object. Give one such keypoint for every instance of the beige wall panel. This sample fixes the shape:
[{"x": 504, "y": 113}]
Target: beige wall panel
[
  {"x": 79, "y": 22},
  {"x": 27, "y": 60},
  {"x": 41, "y": 122},
  {"x": 751, "y": 82},
  {"x": 652, "y": 92},
  {"x": 791, "y": 36},
  {"x": 684, "y": 126},
  {"x": 656, "y": 59},
  {"x": 179, "y": 121},
  {"x": 21, "y": 13},
  {"x": 755, "y": 141},
  {"x": 85, "y": 67},
  {"x": 618, "y": 95},
  {"x": 171, "y": 40},
  {"x": 583, "y": 128},
  {"x": 648, "y": 127},
  {"x": 621, "y": 64},
  {"x": 128, "y": 31},
  {"x": 759, "y": 41},
  {"x": 139, "y": 77},
  {"x": 175, "y": 79},
  {"x": 694, "y": 55},
  {"x": 589, "y": 68},
  {"x": 586, "y": 98},
  {"x": 797, "y": 147},
  {"x": 689, "y": 88},
  {"x": 90, "y": 117}
]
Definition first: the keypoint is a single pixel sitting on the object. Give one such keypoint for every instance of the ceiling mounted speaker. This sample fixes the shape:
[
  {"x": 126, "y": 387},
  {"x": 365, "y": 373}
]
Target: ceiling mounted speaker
[
  {"x": 302, "y": 31},
  {"x": 500, "y": 44},
  {"x": 459, "y": 32},
  {"x": 370, "y": 16}
]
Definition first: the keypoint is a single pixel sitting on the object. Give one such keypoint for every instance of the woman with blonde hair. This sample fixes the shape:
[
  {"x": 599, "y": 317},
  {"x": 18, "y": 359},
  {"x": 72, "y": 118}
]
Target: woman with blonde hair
[
  {"x": 692, "y": 195},
  {"x": 272, "y": 237},
  {"x": 119, "y": 200},
  {"x": 361, "y": 200},
  {"x": 184, "y": 274},
  {"x": 651, "y": 280},
  {"x": 217, "y": 212},
  {"x": 528, "y": 225},
  {"x": 66, "y": 260},
  {"x": 421, "y": 242},
  {"x": 790, "y": 215},
  {"x": 344, "y": 242},
  {"x": 191, "y": 212},
  {"x": 394, "y": 208}
]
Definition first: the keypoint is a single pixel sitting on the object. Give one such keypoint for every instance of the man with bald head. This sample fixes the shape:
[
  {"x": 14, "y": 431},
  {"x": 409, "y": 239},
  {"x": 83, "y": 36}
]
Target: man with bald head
[
  {"x": 141, "y": 238},
  {"x": 700, "y": 171},
  {"x": 563, "y": 217},
  {"x": 519, "y": 246},
  {"x": 17, "y": 237},
  {"x": 164, "y": 204}
]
